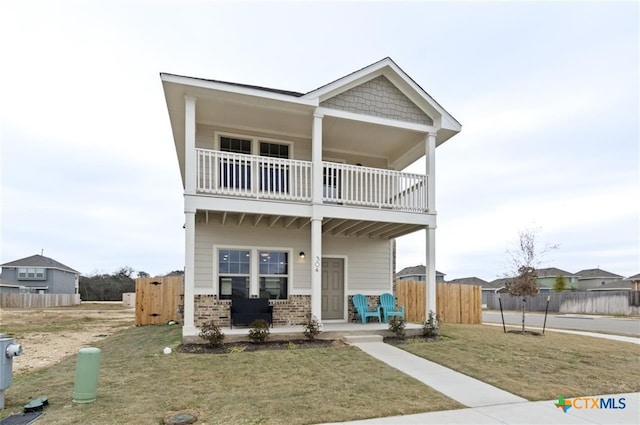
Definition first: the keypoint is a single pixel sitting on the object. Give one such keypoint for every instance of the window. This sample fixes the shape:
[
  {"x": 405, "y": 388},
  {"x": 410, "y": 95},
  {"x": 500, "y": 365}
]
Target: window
[
  {"x": 32, "y": 273},
  {"x": 273, "y": 274},
  {"x": 234, "y": 267},
  {"x": 331, "y": 183},
  {"x": 232, "y": 144},
  {"x": 274, "y": 150},
  {"x": 235, "y": 173},
  {"x": 274, "y": 177}
]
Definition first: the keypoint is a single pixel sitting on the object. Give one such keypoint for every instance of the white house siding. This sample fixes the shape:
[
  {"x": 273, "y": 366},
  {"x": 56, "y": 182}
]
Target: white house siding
[
  {"x": 379, "y": 97},
  {"x": 368, "y": 263},
  {"x": 206, "y": 139},
  {"x": 248, "y": 235}
]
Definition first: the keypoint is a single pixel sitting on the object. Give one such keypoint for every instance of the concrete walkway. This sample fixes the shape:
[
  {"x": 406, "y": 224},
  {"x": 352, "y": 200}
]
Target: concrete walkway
[
  {"x": 530, "y": 413},
  {"x": 455, "y": 385},
  {"x": 487, "y": 404}
]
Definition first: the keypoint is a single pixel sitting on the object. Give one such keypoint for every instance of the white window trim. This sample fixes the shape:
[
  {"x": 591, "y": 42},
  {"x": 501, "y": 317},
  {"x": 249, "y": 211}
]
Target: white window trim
[
  {"x": 255, "y": 142},
  {"x": 254, "y": 267}
]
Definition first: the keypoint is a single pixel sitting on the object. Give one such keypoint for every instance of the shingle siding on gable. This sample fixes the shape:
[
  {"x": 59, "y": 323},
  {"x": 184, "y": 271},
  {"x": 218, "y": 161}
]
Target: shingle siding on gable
[{"x": 380, "y": 98}]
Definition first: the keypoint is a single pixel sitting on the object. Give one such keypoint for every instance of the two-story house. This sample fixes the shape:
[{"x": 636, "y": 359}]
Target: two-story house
[
  {"x": 41, "y": 275},
  {"x": 297, "y": 197}
]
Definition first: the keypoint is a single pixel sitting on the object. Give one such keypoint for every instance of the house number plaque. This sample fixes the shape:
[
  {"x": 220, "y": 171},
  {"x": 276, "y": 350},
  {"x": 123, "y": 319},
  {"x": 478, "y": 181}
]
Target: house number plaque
[{"x": 317, "y": 264}]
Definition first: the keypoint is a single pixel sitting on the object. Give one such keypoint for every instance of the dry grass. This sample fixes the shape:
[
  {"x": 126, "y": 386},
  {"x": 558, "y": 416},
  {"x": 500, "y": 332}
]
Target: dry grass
[
  {"x": 536, "y": 367},
  {"x": 140, "y": 385}
]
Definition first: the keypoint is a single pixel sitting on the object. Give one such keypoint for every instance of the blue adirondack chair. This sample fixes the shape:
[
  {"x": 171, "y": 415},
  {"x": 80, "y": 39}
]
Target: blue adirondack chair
[
  {"x": 389, "y": 308},
  {"x": 363, "y": 309}
]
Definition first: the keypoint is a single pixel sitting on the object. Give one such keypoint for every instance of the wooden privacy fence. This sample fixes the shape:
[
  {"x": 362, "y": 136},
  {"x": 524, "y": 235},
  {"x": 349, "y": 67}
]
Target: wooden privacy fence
[
  {"x": 159, "y": 299},
  {"x": 455, "y": 303},
  {"x": 594, "y": 302},
  {"x": 38, "y": 300}
]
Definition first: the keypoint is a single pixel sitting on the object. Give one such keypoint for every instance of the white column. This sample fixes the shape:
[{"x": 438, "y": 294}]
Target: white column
[
  {"x": 189, "y": 275},
  {"x": 190, "y": 162},
  {"x": 316, "y": 158},
  {"x": 431, "y": 171},
  {"x": 316, "y": 267},
  {"x": 430, "y": 262}
]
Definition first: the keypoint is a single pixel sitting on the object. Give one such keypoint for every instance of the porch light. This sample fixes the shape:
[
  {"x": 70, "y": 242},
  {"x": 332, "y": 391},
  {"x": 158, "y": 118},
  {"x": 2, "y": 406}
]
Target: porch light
[{"x": 301, "y": 254}]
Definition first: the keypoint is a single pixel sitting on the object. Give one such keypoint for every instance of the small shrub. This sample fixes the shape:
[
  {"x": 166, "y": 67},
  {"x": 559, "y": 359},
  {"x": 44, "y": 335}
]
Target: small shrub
[
  {"x": 312, "y": 328},
  {"x": 212, "y": 333},
  {"x": 397, "y": 325},
  {"x": 259, "y": 331},
  {"x": 431, "y": 326}
]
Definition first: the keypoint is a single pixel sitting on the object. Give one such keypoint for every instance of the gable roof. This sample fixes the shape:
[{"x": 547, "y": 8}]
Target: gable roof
[
  {"x": 595, "y": 274},
  {"x": 634, "y": 277},
  {"x": 39, "y": 261},
  {"x": 449, "y": 126},
  {"x": 469, "y": 281},
  {"x": 553, "y": 272},
  {"x": 498, "y": 283},
  {"x": 416, "y": 270}
]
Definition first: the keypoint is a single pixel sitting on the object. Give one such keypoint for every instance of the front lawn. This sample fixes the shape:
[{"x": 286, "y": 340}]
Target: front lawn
[
  {"x": 536, "y": 367},
  {"x": 138, "y": 384}
]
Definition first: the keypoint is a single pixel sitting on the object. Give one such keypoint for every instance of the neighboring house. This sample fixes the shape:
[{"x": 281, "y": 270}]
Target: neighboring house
[
  {"x": 7, "y": 287},
  {"x": 635, "y": 282},
  {"x": 476, "y": 281},
  {"x": 42, "y": 275},
  {"x": 613, "y": 285},
  {"x": 418, "y": 273},
  {"x": 297, "y": 197},
  {"x": 595, "y": 278},
  {"x": 547, "y": 278}
]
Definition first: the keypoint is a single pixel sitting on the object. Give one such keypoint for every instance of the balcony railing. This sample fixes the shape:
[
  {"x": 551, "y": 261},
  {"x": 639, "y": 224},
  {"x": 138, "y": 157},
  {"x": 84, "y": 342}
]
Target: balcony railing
[{"x": 260, "y": 177}]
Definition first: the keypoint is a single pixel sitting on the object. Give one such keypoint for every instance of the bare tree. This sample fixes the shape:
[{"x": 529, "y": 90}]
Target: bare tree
[{"x": 524, "y": 260}]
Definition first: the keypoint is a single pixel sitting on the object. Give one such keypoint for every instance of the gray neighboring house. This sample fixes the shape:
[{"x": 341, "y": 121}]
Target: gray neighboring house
[
  {"x": 613, "y": 285},
  {"x": 41, "y": 275},
  {"x": 7, "y": 287},
  {"x": 590, "y": 279},
  {"x": 486, "y": 289},
  {"x": 418, "y": 273},
  {"x": 635, "y": 282},
  {"x": 547, "y": 278}
]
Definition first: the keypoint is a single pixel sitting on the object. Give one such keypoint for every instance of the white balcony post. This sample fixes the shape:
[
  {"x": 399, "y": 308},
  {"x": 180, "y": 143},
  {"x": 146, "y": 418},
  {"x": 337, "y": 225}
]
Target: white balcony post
[
  {"x": 430, "y": 270},
  {"x": 190, "y": 160},
  {"x": 431, "y": 172},
  {"x": 316, "y": 267},
  {"x": 189, "y": 274},
  {"x": 316, "y": 158}
]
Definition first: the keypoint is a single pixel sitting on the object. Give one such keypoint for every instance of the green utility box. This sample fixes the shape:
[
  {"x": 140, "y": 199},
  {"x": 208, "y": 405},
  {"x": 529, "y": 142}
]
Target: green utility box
[{"x": 86, "y": 384}]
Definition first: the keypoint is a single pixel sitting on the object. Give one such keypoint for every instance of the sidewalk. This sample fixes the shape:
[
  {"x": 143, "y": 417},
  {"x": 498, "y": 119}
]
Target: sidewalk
[
  {"x": 487, "y": 404},
  {"x": 528, "y": 413}
]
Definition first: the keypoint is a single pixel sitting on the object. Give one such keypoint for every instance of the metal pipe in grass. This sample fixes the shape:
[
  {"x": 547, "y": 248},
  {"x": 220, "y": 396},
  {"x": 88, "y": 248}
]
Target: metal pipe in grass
[
  {"x": 502, "y": 314},
  {"x": 546, "y": 310}
]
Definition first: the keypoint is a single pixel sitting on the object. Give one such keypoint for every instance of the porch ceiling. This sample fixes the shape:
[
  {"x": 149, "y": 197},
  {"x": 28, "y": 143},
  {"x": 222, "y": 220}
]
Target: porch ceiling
[
  {"x": 330, "y": 226},
  {"x": 348, "y": 136}
]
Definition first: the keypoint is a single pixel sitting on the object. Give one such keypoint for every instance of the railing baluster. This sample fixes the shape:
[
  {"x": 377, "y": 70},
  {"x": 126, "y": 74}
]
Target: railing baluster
[{"x": 235, "y": 174}]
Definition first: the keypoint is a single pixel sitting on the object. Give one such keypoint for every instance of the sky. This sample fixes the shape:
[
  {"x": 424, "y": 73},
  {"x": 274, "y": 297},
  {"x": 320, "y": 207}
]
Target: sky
[{"x": 547, "y": 94}]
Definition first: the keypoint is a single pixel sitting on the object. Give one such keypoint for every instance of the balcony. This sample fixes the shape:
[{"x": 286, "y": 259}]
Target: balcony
[{"x": 259, "y": 177}]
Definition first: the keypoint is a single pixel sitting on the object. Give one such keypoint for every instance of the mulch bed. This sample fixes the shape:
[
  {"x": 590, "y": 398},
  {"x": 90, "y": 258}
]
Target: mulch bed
[
  {"x": 394, "y": 340},
  {"x": 243, "y": 346}
]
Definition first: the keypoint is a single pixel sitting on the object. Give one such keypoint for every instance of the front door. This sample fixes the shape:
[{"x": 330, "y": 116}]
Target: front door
[{"x": 332, "y": 288}]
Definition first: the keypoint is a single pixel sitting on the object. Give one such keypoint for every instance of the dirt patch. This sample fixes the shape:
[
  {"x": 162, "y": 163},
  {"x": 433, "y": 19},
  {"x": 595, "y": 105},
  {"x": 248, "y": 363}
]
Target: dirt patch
[
  {"x": 47, "y": 338},
  {"x": 235, "y": 347}
]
